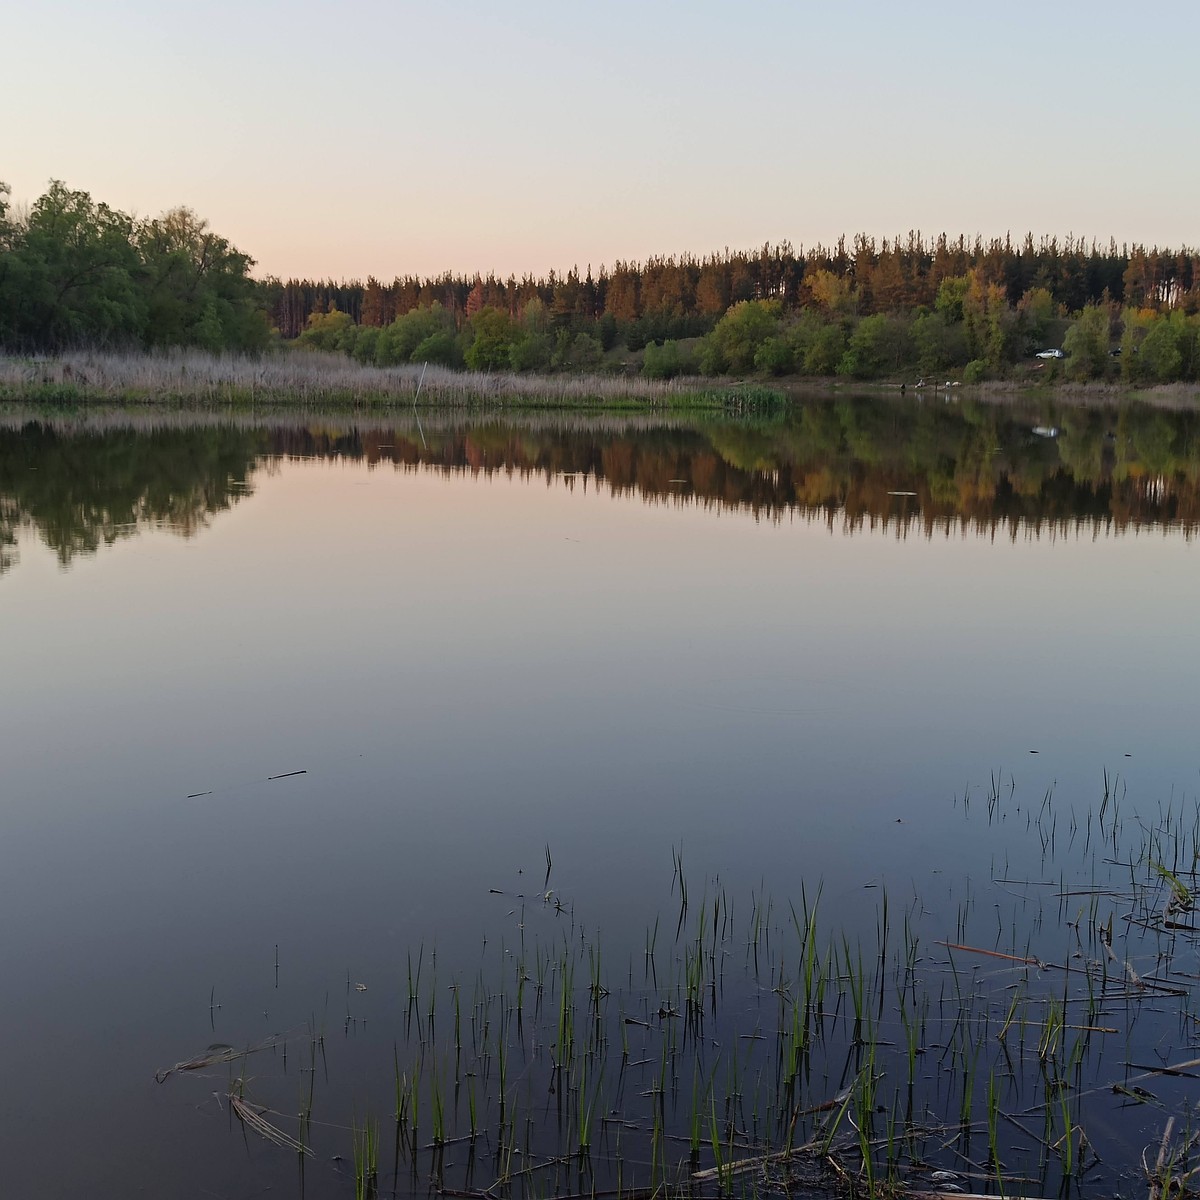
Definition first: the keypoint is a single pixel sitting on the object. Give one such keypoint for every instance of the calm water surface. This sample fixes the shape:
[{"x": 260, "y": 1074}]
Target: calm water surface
[{"x": 291, "y": 704}]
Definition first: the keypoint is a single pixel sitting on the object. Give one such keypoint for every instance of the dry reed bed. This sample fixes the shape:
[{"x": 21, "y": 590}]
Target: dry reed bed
[{"x": 304, "y": 377}]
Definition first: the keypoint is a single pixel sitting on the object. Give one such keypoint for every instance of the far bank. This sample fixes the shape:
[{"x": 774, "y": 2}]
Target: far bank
[{"x": 193, "y": 377}]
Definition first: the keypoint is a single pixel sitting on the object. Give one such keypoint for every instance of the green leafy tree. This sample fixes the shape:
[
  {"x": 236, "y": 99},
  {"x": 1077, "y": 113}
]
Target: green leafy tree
[
  {"x": 194, "y": 276},
  {"x": 77, "y": 272},
  {"x": 491, "y": 337},
  {"x": 207, "y": 332},
  {"x": 1137, "y": 323},
  {"x": 530, "y": 351},
  {"x": 775, "y": 356},
  {"x": 8, "y": 295},
  {"x": 441, "y": 348},
  {"x": 399, "y": 341},
  {"x": 878, "y": 345},
  {"x": 327, "y": 331},
  {"x": 666, "y": 361},
  {"x": 989, "y": 323},
  {"x": 1036, "y": 313},
  {"x": 1086, "y": 344},
  {"x": 738, "y": 335},
  {"x": 532, "y": 346},
  {"x": 951, "y": 298},
  {"x": 938, "y": 344},
  {"x": 576, "y": 352},
  {"x": 71, "y": 275},
  {"x": 366, "y": 344},
  {"x": 1161, "y": 353},
  {"x": 821, "y": 347},
  {"x": 607, "y": 330}
]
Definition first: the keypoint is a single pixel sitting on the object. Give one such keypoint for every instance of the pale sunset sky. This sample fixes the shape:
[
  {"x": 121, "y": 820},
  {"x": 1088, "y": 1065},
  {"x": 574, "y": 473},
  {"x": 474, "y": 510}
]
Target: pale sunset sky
[{"x": 338, "y": 140}]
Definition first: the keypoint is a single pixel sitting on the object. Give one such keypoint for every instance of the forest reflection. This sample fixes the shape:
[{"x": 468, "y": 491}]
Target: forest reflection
[
  {"x": 853, "y": 463},
  {"x": 81, "y": 488}
]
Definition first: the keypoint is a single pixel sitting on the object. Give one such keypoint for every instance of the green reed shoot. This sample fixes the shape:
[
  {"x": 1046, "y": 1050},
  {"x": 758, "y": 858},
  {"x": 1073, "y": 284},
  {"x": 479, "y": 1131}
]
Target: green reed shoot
[
  {"x": 366, "y": 1160},
  {"x": 723, "y": 1165}
]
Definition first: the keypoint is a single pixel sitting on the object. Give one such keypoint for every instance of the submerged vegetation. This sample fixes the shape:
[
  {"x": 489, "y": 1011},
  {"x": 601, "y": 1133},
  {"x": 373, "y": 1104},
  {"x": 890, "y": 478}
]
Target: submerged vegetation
[{"x": 1030, "y": 1034}]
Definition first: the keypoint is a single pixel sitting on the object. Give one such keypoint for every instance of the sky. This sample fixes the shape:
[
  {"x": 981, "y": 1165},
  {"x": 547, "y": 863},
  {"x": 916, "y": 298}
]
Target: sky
[{"x": 392, "y": 138}]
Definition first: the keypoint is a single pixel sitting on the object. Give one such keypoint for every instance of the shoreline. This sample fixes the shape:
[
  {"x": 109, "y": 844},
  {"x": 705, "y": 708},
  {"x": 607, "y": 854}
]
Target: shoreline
[{"x": 195, "y": 379}]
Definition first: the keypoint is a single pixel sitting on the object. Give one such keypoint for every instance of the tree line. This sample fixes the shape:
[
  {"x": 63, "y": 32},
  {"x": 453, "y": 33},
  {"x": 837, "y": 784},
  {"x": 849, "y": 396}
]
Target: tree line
[
  {"x": 895, "y": 274},
  {"x": 75, "y": 272},
  {"x": 905, "y": 308},
  {"x": 971, "y": 330}
]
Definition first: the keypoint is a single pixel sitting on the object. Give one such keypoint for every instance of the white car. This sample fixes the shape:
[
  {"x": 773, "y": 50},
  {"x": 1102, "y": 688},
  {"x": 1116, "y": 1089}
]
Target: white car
[{"x": 1050, "y": 354}]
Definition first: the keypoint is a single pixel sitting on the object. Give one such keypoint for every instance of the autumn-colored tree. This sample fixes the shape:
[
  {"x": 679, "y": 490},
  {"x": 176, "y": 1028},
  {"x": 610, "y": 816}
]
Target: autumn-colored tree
[
  {"x": 832, "y": 293},
  {"x": 621, "y": 298},
  {"x": 378, "y": 304},
  {"x": 989, "y": 324},
  {"x": 712, "y": 288},
  {"x": 474, "y": 299},
  {"x": 889, "y": 284}
]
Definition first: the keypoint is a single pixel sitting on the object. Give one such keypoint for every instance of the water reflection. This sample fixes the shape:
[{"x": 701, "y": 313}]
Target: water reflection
[
  {"x": 469, "y": 673},
  {"x": 852, "y": 462},
  {"x": 84, "y": 487}
]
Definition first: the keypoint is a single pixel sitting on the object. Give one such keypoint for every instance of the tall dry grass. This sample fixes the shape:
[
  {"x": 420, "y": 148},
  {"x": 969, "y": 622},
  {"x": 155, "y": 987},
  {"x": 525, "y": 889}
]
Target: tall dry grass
[{"x": 302, "y": 378}]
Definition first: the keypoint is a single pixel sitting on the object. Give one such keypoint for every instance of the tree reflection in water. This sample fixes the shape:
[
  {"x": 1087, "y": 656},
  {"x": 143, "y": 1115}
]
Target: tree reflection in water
[{"x": 853, "y": 462}]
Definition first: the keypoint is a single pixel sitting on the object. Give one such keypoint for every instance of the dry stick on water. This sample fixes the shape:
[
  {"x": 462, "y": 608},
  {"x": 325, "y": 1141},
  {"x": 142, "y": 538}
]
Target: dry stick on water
[
  {"x": 730, "y": 1170},
  {"x": 1156, "y": 1176},
  {"x": 618, "y": 1194},
  {"x": 1173, "y": 1069},
  {"x": 1027, "y": 962},
  {"x": 957, "y": 1196},
  {"x": 741, "y": 1166}
]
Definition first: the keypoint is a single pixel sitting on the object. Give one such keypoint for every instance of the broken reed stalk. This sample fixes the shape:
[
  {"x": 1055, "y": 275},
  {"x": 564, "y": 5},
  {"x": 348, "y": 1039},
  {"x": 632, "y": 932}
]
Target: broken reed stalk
[
  {"x": 216, "y": 1054},
  {"x": 1027, "y": 962},
  {"x": 743, "y": 1165},
  {"x": 253, "y": 1119}
]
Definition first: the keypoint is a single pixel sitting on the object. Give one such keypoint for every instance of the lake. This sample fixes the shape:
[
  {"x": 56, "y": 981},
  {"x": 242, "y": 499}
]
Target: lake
[{"x": 546, "y": 805}]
